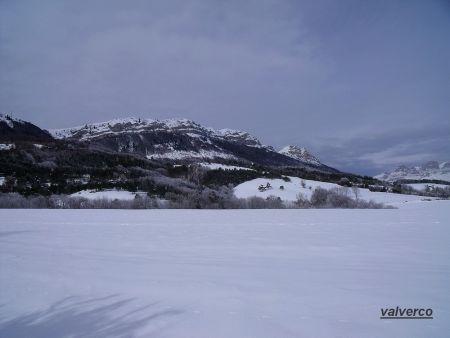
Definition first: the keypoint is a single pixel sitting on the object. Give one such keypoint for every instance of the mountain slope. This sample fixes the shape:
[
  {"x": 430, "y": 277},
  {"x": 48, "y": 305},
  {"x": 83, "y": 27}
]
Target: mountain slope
[
  {"x": 16, "y": 130},
  {"x": 432, "y": 170},
  {"x": 180, "y": 139}
]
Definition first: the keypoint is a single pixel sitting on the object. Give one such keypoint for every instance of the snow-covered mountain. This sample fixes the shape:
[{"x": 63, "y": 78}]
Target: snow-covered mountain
[
  {"x": 138, "y": 125},
  {"x": 13, "y": 129},
  {"x": 300, "y": 153},
  {"x": 181, "y": 139},
  {"x": 432, "y": 170}
]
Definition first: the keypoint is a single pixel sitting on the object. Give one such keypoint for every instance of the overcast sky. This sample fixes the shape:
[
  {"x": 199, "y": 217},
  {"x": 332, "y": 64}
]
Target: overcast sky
[{"x": 365, "y": 85}]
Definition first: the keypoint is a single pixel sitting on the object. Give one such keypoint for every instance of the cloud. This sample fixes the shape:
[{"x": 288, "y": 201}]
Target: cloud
[
  {"x": 373, "y": 153},
  {"x": 290, "y": 72}
]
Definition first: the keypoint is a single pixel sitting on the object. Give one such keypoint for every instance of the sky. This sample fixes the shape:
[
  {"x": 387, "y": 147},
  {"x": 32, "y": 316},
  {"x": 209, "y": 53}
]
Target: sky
[{"x": 364, "y": 85}]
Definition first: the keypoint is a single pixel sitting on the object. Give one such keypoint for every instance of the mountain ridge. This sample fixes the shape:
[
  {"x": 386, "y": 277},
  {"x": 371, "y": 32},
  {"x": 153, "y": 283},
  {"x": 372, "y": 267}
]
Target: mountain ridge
[
  {"x": 133, "y": 124},
  {"x": 182, "y": 139},
  {"x": 169, "y": 159},
  {"x": 431, "y": 170}
]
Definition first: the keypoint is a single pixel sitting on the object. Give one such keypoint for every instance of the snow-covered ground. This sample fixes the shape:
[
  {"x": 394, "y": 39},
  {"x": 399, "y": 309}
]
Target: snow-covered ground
[
  {"x": 107, "y": 194},
  {"x": 292, "y": 188},
  {"x": 215, "y": 166},
  {"x": 424, "y": 186},
  {"x": 230, "y": 273}
]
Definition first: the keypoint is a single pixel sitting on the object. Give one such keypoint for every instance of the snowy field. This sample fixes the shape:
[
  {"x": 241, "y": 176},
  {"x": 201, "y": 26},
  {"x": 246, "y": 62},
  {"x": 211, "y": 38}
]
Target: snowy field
[
  {"x": 111, "y": 194},
  {"x": 231, "y": 273}
]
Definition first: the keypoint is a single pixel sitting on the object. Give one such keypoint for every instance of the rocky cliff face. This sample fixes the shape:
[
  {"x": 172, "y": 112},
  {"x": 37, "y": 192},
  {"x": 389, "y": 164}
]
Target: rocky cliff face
[
  {"x": 300, "y": 154},
  {"x": 181, "y": 139}
]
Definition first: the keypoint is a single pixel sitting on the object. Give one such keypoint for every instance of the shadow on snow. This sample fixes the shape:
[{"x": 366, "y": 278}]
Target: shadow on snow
[{"x": 108, "y": 316}]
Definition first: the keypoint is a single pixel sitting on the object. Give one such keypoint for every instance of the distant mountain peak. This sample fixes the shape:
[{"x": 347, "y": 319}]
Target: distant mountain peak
[
  {"x": 431, "y": 170},
  {"x": 238, "y": 136},
  {"x": 300, "y": 154}
]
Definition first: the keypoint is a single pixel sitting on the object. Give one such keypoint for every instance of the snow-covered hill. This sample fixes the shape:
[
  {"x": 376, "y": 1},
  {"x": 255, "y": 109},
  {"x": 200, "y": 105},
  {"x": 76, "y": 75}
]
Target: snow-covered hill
[
  {"x": 432, "y": 170},
  {"x": 13, "y": 129},
  {"x": 9, "y": 120},
  {"x": 300, "y": 153},
  {"x": 289, "y": 190}
]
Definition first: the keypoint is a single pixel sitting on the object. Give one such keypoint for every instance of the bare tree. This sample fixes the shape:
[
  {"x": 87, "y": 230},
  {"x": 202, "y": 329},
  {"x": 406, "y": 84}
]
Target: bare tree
[{"x": 356, "y": 192}]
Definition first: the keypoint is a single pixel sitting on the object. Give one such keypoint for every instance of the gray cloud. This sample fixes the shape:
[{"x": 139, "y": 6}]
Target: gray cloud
[
  {"x": 369, "y": 78},
  {"x": 373, "y": 153}
]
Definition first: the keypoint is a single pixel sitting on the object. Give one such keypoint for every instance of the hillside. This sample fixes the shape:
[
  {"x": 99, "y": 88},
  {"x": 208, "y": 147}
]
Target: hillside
[
  {"x": 177, "y": 160},
  {"x": 16, "y": 130}
]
